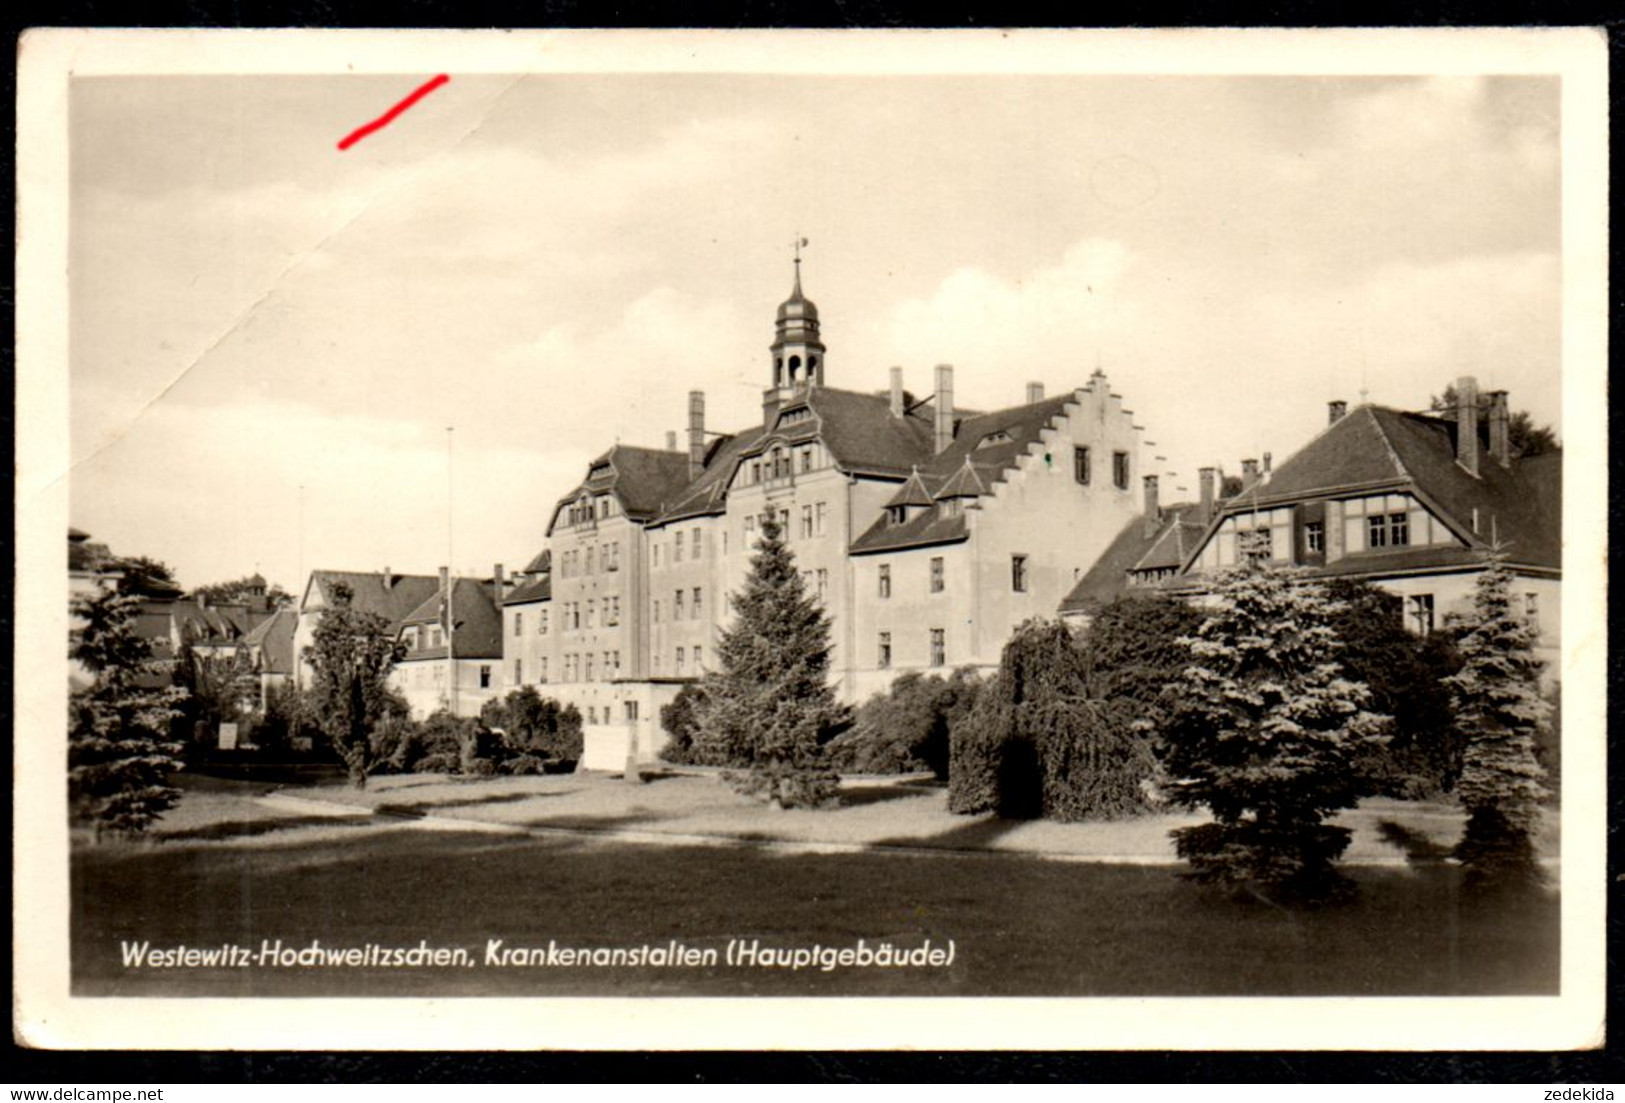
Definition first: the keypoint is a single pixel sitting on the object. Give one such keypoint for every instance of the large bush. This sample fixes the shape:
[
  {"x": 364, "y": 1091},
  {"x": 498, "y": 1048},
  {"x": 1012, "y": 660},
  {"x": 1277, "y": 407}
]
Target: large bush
[
  {"x": 906, "y": 728},
  {"x": 1266, "y": 733},
  {"x": 1132, "y": 650},
  {"x": 1405, "y": 674},
  {"x": 680, "y": 721},
  {"x": 536, "y": 726},
  {"x": 1038, "y": 742}
]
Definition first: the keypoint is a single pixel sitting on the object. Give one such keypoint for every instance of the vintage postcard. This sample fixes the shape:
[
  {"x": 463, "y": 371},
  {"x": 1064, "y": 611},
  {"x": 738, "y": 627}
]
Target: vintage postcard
[{"x": 772, "y": 539}]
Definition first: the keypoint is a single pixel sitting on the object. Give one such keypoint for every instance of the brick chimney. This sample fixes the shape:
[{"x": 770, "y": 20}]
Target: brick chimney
[
  {"x": 945, "y": 407},
  {"x": 897, "y": 409},
  {"x": 1467, "y": 423},
  {"x": 1206, "y": 477},
  {"x": 1500, "y": 429},
  {"x": 1153, "y": 511},
  {"x": 696, "y": 433},
  {"x": 389, "y": 580},
  {"x": 671, "y": 440},
  {"x": 1335, "y": 410},
  {"x": 1249, "y": 472},
  {"x": 1035, "y": 392},
  {"x": 499, "y": 586}
]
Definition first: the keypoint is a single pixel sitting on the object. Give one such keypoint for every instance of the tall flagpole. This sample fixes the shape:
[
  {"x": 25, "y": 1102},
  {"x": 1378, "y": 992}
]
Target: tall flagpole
[{"x": 451, "y": 590}]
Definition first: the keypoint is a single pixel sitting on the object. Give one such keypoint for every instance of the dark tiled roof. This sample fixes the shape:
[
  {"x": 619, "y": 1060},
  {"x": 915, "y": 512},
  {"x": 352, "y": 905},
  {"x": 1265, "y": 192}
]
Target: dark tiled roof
[
  {"x": 478, "y": 627},
  {"x": 930, "y": 526},
  {"x": 708, "y": 493},
  {"x": 541, "y": 564},
  {"x": 647, "y": 481},
  {"x": 222, "y": 623},
  {"x": 914, "y": 492},
  {"x": 273, "y": 639},
  {"x": 967, "y": 482},
  {"x": 862, "y": 435},
  {"x": 402, "y": 594},
  {"x": 1134, "y": 549},
  {"x": 536, "y": 589},
  {"x": 1374, "y": 447}
]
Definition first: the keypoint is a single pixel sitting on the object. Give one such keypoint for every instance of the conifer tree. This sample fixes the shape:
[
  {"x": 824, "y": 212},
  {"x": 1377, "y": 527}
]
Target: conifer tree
[
  {"x": 120, "y": 751},
  {"x": 769, "y": 709},
  {"x": 1266, "y": 733},
  {"x": 1499, "y": 713}
]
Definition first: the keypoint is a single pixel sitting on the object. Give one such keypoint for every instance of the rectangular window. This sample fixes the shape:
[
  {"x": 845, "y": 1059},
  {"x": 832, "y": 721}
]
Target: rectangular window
[
  {"x": 1314, "y": 537},
  {"x": 588, "y": 676},
  {"x": 1376, "y": 532},
  {"x": 936, "y": 574},
  {"x": 541, "y": 623},
  {"x": 519, "y": 624},
  {"x": 1018, "y": 573},
  {"x": 1422, "y": 613},
  {"x": 883, "y": 656},
  {"x": 696, "y": 543},
  {"x": 1120, "y": 470},
  {"x": 541, "y": 675},
  {"x": 939, "y": 647},
  {"x": 1080, "y": 464},
  {"x": 615, "y": 557},
  {"x": 592, "y": 607},
  {"x": 677, "y": 606},
  {"x": 434, "y": 637},
  {"x": 823, "y": 583},
  {"x": 589, "y": 559},
  {"x": 696, "y": 658},
  {"x": 657, "y": 555},
  {"x": 896, "y": 515},
  {"x": 592, "y": 714},
  {"x": 806, "y": 459},
  {"x": 519, "y": 672},
  {"x": 677, "y": 548},
  {"x": 657, "y": 612},
  {"x": 885, "y": 580},
  {"x": 806, "y": 522},
  {"x": 485, "y": 677},
  {"x": 632, "y": 711},
  {"x": 695, "y": 611},
  {"x": 1531, "y": 607},
  {"x": 679, "y": 662},
  {"x": 1399, "y": 529}
]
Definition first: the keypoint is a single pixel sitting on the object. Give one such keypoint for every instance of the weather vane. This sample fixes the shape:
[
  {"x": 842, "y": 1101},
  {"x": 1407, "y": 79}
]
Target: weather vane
[{"x": 798, "y": 245}]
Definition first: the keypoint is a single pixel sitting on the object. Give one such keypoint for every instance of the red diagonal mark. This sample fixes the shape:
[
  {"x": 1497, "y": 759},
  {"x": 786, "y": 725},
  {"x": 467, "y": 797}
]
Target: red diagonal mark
[{"x": 389, "y": 116}]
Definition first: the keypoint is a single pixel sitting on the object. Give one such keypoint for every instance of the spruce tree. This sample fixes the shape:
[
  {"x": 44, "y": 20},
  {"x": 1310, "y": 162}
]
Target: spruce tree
[
  {"x": 769, "y": 709},
  {"x": 1500, "y": 714},
  {"x": 120, "y": 751},
  {"x": 1266, "y": 732}
]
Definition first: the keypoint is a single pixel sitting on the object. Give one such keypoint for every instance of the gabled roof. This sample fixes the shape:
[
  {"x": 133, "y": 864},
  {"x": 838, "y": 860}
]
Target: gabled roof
[
  {"x": 645, "y": 480},
  {"x": 967, "y": 482},
  {"x": 931, "y": 526},
  {"x": 477, "y": 628},
  {"x": 541, "y": 564},
  {"x": 1135, "y": 549},
  {"x": 223, "y": 623},
  {"x": 536, "y": 589},
  {"x": 273, "y": 639},
  {"x": 1375, "y": 448},
  {"x": 391, "y": 597},
  {"x": 914, "y": 492},
  {"x": 995, "y": 442},
  {"x": 864, "y": 437}
]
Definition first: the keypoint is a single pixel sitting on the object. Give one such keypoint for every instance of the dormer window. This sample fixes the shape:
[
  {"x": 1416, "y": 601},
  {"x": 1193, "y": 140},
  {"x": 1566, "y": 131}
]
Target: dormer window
[
  {"x": 897, "y": 515},
  {"x": 998, "y": 436},
  {"x": 953, "y": 507}
]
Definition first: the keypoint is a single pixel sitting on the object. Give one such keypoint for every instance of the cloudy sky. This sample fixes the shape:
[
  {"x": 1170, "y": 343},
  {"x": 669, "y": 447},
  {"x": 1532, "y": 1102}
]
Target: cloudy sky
[{"x": 549, "y": 263}]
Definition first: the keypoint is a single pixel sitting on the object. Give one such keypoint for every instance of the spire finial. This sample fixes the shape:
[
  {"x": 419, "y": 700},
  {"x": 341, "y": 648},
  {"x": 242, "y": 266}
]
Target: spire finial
[{"x": 796, "y": 247}]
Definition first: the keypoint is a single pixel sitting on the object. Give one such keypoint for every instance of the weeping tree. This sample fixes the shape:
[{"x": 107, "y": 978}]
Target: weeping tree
[
  {"x": 1265, "y": 732},
  {"x": 1500, "y": 714},
  {"x": 1042, "y": 741},
  {"x": 120, "y": 750},
  {"x": 769, "y": 709}
]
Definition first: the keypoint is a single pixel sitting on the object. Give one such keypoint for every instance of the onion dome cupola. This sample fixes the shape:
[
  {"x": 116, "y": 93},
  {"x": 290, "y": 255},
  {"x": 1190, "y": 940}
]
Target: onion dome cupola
[{"x": 798, "y": 353}]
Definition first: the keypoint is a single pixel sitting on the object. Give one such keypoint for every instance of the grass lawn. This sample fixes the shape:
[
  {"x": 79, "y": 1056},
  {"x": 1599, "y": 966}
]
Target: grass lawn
[{"x": 1020, "y": 924}]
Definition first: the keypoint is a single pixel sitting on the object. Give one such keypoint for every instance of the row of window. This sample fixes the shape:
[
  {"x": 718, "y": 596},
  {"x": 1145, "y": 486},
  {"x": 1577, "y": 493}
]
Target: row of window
[
  {"x": 680, "y": 665},
  {"x": 677, "y": 606},
  {"x": 938, "y": 645},
  {"x": 1082, "y": 467},
  {"x": 541, "y": 621},
  {"x": 677, "y": 546},
  {"x": 585, "y": 510},
  {"x": 589, "y": 560},
  {"x": 429, "y": 635},
  {"x": 584, "y": 614},
  {"x": 783, "y": 461},
  {"x": 938, "y": 576},
  {"x": 580, "y": 666}
]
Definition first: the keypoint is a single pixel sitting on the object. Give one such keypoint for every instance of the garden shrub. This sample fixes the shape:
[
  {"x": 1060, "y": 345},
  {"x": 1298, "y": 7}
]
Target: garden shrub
[
  {"x": 536, "y": 725},
  {"x": 680, "y": 721},
  {"x": 906, "y": 728}
]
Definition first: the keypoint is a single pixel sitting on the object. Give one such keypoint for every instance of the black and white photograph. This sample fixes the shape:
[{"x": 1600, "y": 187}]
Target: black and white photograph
[{"x": 718, "y": 539}]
